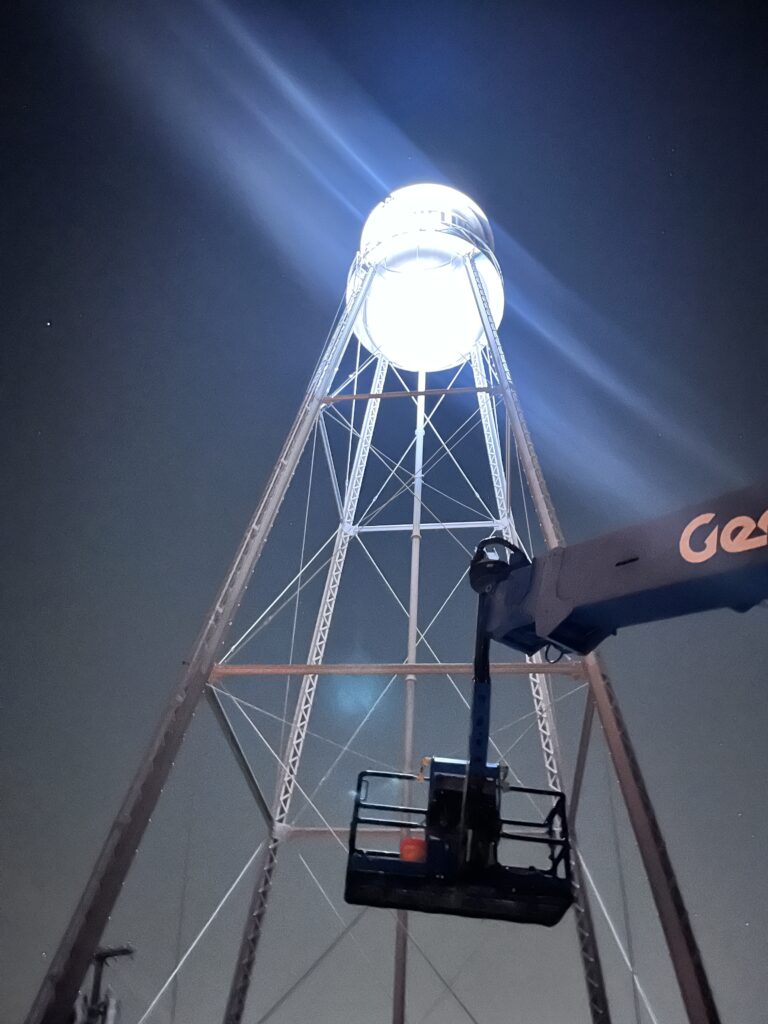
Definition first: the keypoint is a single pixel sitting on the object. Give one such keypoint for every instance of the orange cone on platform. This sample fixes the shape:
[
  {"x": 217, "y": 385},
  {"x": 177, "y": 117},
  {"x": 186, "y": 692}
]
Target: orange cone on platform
[{"x": 413, "y": 849}]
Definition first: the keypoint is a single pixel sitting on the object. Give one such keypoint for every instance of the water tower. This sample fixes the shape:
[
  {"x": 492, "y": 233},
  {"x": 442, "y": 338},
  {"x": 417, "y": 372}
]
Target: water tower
[{"x": 417, "y": 331}]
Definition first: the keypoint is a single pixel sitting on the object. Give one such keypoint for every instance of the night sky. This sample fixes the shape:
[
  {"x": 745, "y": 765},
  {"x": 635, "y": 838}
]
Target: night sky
[{"x": 185, "y": 185}]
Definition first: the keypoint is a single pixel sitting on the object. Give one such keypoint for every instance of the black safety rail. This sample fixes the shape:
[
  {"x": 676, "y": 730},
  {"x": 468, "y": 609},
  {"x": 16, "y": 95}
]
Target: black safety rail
[
  {"x": 554, "y": 825},
  {"x": 362, "y": 804}
]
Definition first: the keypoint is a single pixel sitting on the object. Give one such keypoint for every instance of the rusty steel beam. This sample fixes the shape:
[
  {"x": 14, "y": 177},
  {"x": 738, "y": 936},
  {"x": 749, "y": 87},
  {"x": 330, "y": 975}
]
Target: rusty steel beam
[{"x": 452, "y": 668}]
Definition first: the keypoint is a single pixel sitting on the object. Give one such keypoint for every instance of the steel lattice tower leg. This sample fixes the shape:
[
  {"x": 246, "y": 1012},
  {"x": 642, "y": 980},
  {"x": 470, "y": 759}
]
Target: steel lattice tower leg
[
  {"x": 590, "y": 955},
  {"x": 255, "y": 921},
  {"x": 58, "y": 991},
  {"x": 683, "y": 949}
]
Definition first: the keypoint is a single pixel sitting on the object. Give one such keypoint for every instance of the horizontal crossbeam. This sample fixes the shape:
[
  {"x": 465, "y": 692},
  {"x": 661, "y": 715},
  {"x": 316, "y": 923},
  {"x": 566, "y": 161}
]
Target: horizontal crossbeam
[
  {"x": 477, "y": 524},
  {"x": 393, "y": 668},
  {"x": 352, "y": 397}
]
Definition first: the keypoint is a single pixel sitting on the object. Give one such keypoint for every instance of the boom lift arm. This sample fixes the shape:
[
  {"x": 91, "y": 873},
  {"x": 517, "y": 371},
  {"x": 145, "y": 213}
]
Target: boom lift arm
[{"x": 713, "y": 555}]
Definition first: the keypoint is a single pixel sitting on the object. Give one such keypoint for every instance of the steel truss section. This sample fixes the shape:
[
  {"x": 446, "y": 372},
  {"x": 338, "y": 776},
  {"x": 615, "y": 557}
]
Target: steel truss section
[
  {"x": 493, "y": 448},
  {"x": 57, "y": 994},
  {"x": 542, "y": 704},
  {"x": 585, "y": 928},
  {"x": 683, "y": 949},
  {"x": 295, "y": 743}
]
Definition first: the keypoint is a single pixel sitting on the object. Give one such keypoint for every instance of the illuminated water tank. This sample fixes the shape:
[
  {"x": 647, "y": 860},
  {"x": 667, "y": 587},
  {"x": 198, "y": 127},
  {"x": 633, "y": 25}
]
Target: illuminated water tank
[{"x": 420, "y": 312}]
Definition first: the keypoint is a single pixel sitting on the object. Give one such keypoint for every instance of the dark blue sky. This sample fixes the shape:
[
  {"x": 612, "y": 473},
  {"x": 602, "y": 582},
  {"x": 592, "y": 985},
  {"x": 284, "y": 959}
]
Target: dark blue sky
[{"x": 185, "y": 186}]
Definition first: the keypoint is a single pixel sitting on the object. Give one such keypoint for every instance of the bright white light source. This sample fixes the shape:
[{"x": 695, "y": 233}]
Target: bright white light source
[{"x": 420, "y": 312}]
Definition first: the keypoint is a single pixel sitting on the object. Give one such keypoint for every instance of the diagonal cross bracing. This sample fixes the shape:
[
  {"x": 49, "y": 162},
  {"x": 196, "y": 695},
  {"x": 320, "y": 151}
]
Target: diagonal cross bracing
[
  {"x": 429, "y": 463},
  {"x": 407, "y": 485},
  {"x": 262, "y": 619},
  {"x": 448, "y": 451}
]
